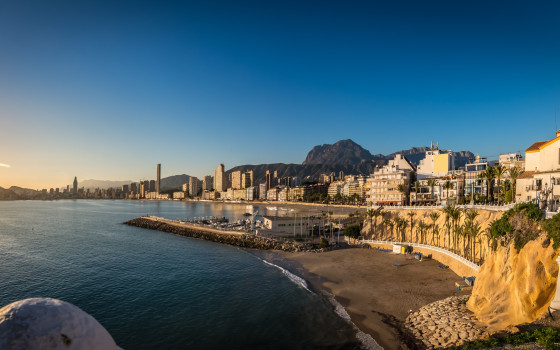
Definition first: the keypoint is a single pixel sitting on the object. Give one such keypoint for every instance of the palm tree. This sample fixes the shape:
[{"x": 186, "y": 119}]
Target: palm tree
[
  {"x": 411, "y": 215},
  {"x": 387, "y": 222},
  {"x": 499, "y": 171},
  {"x": 489, "y": 175},
  {"x": 434, "y": 216},
  {"x": 474, "y": 233},
  {"x": 447, "y": 210},
  {"x": 456, "y": 217},
  {"x": 423, "y": 227},
  {"x": 376, "y": 213},
  {"x": 369, "y": 214},
  {"x": 448, "y": 185},
  {"x": 514, "y": 173},
  {"x": 416, "y": 189},
  {"x": 432, "y": 183},
  {"x": 402, "y": 189}
]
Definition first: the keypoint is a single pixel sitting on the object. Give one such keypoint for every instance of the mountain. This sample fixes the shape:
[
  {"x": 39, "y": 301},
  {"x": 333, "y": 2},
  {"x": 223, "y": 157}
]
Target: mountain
[
  {"x": 416, "y": 154},
  {"x": 102, "y": 184},
  {"x": 346, "y": 156},
  {"x": 7, "y": 195},
  {"x": 174, "y": 182},
  {"x": 344, "y": 152},
  {"x": 347, "y": 152},
  {"x": 304, "y": 170}
]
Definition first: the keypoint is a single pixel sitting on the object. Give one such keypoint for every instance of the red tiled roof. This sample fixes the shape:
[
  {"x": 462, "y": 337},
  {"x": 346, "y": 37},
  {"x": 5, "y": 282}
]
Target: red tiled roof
[
  {"x": 535, "y": 146},
  {"x": 526, "y": 175}
]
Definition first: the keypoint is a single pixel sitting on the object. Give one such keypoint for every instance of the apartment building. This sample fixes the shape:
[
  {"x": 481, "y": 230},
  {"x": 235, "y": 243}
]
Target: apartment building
[{"x": 383, "y": 185}]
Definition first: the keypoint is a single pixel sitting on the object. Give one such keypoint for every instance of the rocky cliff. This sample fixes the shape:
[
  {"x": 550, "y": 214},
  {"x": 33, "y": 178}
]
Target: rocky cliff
[{"x": 513, "y": 288}]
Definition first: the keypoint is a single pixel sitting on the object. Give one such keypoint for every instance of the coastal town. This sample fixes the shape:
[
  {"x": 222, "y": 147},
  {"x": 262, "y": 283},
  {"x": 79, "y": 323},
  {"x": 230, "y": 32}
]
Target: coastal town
[{"x": 435, "y": 180}]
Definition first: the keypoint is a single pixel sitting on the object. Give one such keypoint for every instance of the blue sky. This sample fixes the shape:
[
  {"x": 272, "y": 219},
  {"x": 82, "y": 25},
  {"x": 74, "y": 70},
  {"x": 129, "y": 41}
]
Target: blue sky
[{"x": 106, "y": 90}]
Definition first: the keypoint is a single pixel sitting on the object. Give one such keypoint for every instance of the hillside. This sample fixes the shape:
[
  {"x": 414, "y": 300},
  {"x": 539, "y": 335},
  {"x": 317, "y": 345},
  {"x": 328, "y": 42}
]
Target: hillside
[{"x": 347, "y": 152}]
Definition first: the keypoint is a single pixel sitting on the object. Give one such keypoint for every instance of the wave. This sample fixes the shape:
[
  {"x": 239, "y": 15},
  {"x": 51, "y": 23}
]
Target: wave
[
  {"x": 295, "y": 279},
  {"x": 367, "y": 341}
]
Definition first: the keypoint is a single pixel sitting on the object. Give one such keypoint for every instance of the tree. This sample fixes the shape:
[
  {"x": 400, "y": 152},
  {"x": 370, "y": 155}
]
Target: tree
[
  {"x": 499, "y": 171},
  {"x": 432, "y": 183},
  {"x": 402, "y": 189},
  {"x": 352, "y": 231},
  {"x": 448, "y": 185},
  {"x": 376, "y": 213},
  {"x": 416, "y": 190},
  {"x": 514, "y": 173},
  {"x": 489, "y": 175},
  {"x": 434, "y": 216},
  {"x": 411, "y": 215}
]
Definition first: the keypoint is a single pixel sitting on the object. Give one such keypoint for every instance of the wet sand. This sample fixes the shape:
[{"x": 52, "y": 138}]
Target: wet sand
[{"x": 376, "y": 294}]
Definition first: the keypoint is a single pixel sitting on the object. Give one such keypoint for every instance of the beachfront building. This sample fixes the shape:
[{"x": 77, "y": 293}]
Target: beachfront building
[
  {"x": 220, "y": 182},
  {"x": 262, "y": 191},
  {"x": 252, "y": 193},
  {"x": 193, "y": 186},
  {"x": 283, "y": 226},
  {"x": 436, "y": 163},
  {"x": 179, "y": 195},
  {"x": 335, "y": 188},
  {"x": 540, "y": 181},
  {"x": 207, "y": 183},
  {"x": 436, "y": 190},
  {"x": 474, "y": 184},
  {"x": 272, "y": 194},
  {"x": 383, "y": 185},
  {"x": 512, "y": 160},
  {"x": 247, "y": 179}
]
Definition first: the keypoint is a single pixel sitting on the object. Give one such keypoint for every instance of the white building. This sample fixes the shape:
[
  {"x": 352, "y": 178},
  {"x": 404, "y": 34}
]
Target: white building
[
  {"x": 382, "y": 188},
  {"x": 437, "y": 163}
]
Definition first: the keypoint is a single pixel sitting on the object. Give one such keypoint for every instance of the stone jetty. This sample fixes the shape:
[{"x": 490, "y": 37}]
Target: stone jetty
[
  {"x": 238, "y": 239},
  {"x": 445, "y": 323}
]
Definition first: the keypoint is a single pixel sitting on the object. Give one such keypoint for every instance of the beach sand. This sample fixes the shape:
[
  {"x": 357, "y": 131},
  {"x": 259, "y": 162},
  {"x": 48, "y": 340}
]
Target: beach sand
[{"x": 376, "y": 294}]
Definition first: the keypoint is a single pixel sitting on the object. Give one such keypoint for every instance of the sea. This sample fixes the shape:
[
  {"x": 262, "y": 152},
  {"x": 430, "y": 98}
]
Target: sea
[{"x": 155, "y": 290}]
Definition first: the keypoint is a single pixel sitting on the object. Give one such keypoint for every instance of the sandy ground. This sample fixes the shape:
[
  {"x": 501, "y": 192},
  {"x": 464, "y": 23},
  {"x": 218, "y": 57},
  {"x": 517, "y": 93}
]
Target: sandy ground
[{"x": 376, "y": 293}]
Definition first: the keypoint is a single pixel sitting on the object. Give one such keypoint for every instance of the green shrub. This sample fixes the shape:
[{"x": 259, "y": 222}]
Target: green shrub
[
  {"x": 323, "y": 243},
  {"x": 352, "y": 231},
  {"x": 552, "y": 228},
  {"x": 547, "y": 337}
]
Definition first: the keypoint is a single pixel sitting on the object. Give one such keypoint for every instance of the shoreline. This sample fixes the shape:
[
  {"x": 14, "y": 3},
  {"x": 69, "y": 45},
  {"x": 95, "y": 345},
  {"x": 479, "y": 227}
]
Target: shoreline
[{"x": 374, "y": 293}]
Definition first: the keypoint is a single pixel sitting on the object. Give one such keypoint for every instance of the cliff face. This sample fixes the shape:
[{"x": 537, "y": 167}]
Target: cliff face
[{"x": 513, "y": 288}]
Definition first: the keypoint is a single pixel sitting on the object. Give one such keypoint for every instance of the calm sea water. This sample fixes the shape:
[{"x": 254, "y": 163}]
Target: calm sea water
[{"x": 153, "y": 290}]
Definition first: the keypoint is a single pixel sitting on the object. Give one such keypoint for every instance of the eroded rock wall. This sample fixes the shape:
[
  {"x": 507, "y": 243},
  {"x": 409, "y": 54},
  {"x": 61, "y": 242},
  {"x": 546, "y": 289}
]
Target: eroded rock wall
[{"x": 513, "y": 288}]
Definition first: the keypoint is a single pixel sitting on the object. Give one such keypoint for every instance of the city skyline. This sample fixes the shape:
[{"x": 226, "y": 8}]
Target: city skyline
[{"x": 102, "y": 90}]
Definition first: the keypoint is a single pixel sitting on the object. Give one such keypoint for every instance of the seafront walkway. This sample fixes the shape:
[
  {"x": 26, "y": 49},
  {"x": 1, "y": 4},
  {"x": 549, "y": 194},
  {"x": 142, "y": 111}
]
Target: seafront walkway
[
  {"x": 457, "y": 263},
  {"x": 438, "y": 207}
]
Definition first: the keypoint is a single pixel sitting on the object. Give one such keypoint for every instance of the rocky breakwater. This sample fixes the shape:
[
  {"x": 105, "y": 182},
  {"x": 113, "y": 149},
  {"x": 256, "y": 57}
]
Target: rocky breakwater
[
  {"x": 242, "y": 240},
  {"x": 445, "y": 323}
]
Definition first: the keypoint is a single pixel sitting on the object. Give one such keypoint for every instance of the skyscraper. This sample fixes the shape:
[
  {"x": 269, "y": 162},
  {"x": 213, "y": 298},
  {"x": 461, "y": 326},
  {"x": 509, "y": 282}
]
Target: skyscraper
[
  {"x": 158, "y": 178},
  {"x": 207, "y": 183},
  {"x": 236, "y": 180},
  {"x": 193, "y": 186},
  {"x": 75, "y": 186},
  {"x": 268, "y": 180},
  {"x": 247, "y": 179},
  {"x": 220, "y": 183}
]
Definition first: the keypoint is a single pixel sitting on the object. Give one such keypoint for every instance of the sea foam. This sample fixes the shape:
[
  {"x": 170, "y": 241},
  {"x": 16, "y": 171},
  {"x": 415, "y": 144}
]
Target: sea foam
[{"x": 295, "y": 279}]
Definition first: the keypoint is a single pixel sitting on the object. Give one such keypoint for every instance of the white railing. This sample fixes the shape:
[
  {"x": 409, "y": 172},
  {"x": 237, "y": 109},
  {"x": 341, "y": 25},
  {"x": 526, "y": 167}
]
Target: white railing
[
  {"x": 427, "y": 246},
  {"x": 441, "y": 206}
]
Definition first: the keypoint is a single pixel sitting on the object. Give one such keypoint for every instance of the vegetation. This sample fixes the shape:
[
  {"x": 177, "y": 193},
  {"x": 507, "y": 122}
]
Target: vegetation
[
  {"x": 323, "y": 243},
  {"x": 552, "y": 228},
  {"x": 547, "y": 337},
  {"x": 504, "y": 230},
  {"x": 352, "y": 231}
]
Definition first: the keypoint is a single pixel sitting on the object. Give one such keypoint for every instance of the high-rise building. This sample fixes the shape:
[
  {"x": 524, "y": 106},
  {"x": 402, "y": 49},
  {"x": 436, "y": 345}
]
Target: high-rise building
[
  {"x": 75, "y": 185},
  {"x": 158, "y": 178},
  {"x": 247, "y": 179},
  {"x": 236, "y": 180},
  {"x": 207, "y": 183},
  {"x": 220, "y": 183},
  {"x": 268, "y": 180},
  {"x": 193, "y": 186},
  {"x": 151, "y": 185}
]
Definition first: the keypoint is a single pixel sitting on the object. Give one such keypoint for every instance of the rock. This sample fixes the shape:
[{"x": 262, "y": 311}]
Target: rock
[{"x": 50, "y": 324}]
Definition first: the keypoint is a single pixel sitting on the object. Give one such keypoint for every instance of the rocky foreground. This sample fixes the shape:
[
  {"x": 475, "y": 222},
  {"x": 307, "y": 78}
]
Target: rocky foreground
[
  {"x": 249, "y": 241},
  {"x": 445, "y": 323}
]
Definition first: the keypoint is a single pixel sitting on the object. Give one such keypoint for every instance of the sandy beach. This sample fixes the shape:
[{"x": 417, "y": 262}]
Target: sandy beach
[{"x": 377, "y": 294}]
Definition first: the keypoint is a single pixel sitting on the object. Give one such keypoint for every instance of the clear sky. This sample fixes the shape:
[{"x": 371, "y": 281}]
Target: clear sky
[{"x": 107, "y": 89}]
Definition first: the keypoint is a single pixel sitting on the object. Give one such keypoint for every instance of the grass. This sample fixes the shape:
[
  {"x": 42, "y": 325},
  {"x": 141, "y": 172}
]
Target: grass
[{"x": 547, "y": 337}]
